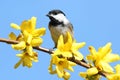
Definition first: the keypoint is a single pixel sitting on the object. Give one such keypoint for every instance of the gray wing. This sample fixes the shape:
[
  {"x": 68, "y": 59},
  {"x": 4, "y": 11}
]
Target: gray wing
[{"x": 71, "y": 29}]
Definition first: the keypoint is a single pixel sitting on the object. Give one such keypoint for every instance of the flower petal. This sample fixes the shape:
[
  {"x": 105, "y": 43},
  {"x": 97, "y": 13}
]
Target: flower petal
[
  {"x": 70, "y": 68},
  {"x": 66, "y": 76},
  {"x": 34, "y": 57},
  {"x": 68, "y": 43},
  {"x": 36, "y": 41},
  {"x": 111, "y": 58},
  {"x": 83, "y": 74},
  {"x": 12, "y": 36},
  {"x": 39, "y": 32},
  {"x": 28, "y": 25},
  {"x": 33, "y": 23},
  {"x": 90, "y": 57},
  {"x": 92, "y": 51},
  {"x": 78, "y": 55},
  {"x": 27, "y": 37},
  {"x": 60, "y": 43},
  {"x": 72, "y": 63},
  {"x": 105, "y": 50},
  {"x": 77, "y": 46},
  {"x": 106, "y": 67},
  {"x": 18, "y": 63},
  {"x": 117, "y": 68},
  {"x": 15, "y": 26},
  {"x": 29, "y": 50},
  {"x": 25, "y": 26},
  {"x": 60, "y": 71},
  {"x": 92, "y": 71},
  {"x": 20, "y": 55},
  {"x": 66, "y": 54},
  {"x": 20, "y": 46},
  {"x": 27, "y": 62}
]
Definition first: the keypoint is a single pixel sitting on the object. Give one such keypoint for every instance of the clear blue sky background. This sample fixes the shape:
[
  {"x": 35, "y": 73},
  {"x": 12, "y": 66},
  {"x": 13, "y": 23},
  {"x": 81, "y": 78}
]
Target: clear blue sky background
[{"x": 95, "y": 21}]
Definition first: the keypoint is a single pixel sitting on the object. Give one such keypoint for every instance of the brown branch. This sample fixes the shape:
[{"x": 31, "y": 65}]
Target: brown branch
[
  {"x": 43, "y": 49},
  {"x": 51, "y": 52},
  {"x": 8, "y": 41}
]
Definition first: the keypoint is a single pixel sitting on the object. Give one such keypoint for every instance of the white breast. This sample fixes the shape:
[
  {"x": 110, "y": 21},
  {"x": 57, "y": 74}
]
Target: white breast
[{"x": 57, "y": 31}]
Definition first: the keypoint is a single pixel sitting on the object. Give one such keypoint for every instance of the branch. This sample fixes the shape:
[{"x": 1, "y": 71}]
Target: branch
[
  {"x": 83, "y": 64},
  {"x": 8, "y": 41}
]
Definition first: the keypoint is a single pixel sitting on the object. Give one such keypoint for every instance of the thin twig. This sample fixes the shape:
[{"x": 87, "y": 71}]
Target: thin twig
[
  {"x": 51, "y": 52},
  {"x": 8, "y": 41},
  {"x": 43, "y": 49}
]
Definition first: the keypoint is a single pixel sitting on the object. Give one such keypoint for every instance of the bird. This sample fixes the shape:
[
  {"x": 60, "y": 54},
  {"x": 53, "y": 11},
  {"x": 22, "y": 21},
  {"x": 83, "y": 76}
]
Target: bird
[{"x": 59, "y": 25}]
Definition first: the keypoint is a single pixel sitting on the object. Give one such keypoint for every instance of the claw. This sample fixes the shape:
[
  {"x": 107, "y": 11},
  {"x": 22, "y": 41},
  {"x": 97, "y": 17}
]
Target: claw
[{"x": 51, "y": 50}]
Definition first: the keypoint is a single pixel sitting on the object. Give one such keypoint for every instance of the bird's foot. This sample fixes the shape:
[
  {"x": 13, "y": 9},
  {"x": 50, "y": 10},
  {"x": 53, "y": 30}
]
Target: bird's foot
[{"x": 51, "y": 50}]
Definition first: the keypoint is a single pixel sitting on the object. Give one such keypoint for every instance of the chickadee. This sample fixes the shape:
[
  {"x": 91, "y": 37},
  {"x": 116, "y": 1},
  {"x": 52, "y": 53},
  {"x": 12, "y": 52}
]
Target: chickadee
[{"x": 59, "y": 25}]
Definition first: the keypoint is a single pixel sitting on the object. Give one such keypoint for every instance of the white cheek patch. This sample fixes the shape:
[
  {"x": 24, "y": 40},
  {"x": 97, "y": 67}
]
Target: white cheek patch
[{"x": 61, "y": 18}]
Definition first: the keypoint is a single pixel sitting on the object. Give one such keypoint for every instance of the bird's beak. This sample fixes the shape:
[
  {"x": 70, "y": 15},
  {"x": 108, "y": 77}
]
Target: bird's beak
[{"x": 48, "y": 15}]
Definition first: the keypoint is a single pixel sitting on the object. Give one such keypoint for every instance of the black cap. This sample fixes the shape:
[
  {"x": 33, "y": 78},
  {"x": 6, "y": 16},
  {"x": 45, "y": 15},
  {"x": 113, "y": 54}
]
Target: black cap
[{"x": 55, "y": 12}]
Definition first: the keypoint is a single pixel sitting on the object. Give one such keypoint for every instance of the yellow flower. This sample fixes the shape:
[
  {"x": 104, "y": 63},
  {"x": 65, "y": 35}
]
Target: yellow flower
[
  {"x": 115, "y": 76},
  {"x": 26, "y": 59},
  {"x": 30, "y": 37},
  {"x": 29, "y": 26},
  {"x": 90, "y": 71},
  {"x": 69, "y": 48},
  {"x": 102, "y": 58},
  {"x": 29, "y": 32},
  {"x": 91, "y": 74},
  {"x": 27, "y": 43},
  {"x": 62, "y": 53},
  {"x": 62, "y": 64}
]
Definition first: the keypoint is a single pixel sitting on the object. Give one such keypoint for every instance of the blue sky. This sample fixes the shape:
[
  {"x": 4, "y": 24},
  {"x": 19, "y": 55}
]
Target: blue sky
[{"x": 95, "y": 22}]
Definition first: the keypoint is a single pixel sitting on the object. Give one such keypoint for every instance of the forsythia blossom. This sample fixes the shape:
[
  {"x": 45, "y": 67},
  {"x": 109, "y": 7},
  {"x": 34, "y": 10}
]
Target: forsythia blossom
[
  {"x": 115, "y": 76},
  {"x": 26, "y": 59},
  {"x": 100, "y": 60},
  {"x": 29, "y": 38},
  {"x": 90, "y": 74},
  {"x": 61, "y": 54},
  {"x": 69, "y": 48}
]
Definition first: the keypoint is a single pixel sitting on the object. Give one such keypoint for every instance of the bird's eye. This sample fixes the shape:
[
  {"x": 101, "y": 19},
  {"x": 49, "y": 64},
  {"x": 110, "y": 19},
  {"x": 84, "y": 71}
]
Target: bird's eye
[{"x": 55, "y": 13}]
